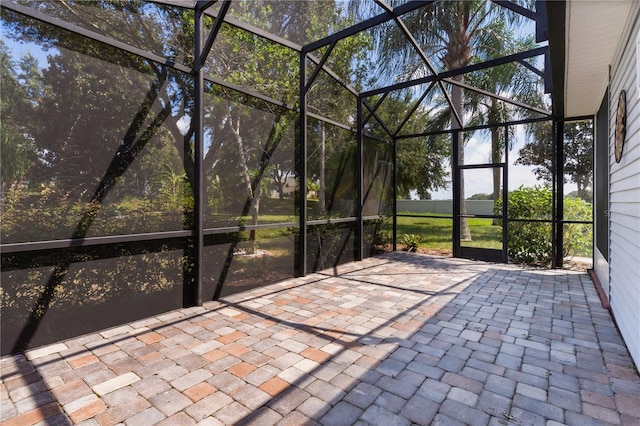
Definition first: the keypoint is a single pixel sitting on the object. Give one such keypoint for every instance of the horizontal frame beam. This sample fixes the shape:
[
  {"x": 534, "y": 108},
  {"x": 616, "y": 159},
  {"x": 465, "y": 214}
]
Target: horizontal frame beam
[
  {"x": 482, "y": 166},
  {"x": 503, "y": 60},
  {"x": 427, "y": 216},
  {"x": 130, "y": 238},
  {"x": 365, "y": 25},
  {"x": 94, "y": 36},
  {"x": 92, "y": 241},
  {"x": 479, "y": 127},
  {"x": 240, "y": 228},
  {"x": 481, "y": 216},
  {"x": 318, "y": 222},
  {"x": 376, "y": 217},
  {"x": 460, "y": 71},
  {"x": 500, "y": 98},
  {"x": 257, "y": 31},
  {"x": 248, "y": 92},
  {"x": 330, "y": 121},
  {"x": 579, "y": 118},
  {"x": 514, "y": 7}
]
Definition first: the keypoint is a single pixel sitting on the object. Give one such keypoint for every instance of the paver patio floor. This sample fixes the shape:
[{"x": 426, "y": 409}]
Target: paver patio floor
[{"x": 397, "y": 339}]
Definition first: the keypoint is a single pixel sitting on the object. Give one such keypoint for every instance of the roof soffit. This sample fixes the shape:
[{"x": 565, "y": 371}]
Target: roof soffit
[{"x": 593, "y": 32}]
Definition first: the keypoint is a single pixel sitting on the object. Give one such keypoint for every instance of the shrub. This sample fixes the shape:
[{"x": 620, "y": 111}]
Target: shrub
[
  {"x": 411, "y": 242},
  {"x": 531, "y": 242},
  {"x": 377, "y": 235},
  {"x": 577, "y": 237}
]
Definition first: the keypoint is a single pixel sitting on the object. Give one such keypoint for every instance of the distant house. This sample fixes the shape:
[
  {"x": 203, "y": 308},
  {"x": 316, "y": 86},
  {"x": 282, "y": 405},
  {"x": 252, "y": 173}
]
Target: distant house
[
  {"x": 288, "y": 188},
  {"x": 595, "y": 61}
]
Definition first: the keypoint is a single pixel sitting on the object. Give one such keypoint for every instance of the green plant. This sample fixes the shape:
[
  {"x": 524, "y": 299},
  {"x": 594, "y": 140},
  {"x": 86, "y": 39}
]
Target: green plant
[
  {"x": 577, "y": 237},
  {"x": 411, "y": 242},
  {"x": 531, "y": 242}
]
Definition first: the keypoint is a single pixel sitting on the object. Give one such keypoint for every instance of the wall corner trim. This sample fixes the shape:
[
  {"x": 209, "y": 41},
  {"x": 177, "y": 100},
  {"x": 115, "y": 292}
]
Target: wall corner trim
[{"x": 601, "y": 293}]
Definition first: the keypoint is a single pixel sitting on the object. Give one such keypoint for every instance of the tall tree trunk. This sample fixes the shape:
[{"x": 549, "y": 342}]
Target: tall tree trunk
[
  {"x": 496, "y": 157},
  {"x": 280, "y": 186},
  {"x": 582, "y": 191},
  {"x": 255, "y": 210},
  {"x": 280, "y": 180},
  {"x": 457, "y": 98},
  {"x": 322, "y": 198},
  {"x": 246, "y": 177}
]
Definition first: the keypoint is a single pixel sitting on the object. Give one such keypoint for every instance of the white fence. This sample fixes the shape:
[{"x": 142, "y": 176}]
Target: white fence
[{"x": 444, "y": 206}]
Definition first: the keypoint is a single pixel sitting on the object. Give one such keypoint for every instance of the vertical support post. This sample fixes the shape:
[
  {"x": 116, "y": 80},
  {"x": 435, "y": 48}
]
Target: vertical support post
[
  {"x": 455, "y": 136},
  {"x": 198, "y": 190},
  {"x": 593, "y": 191},
  {"x": 558, "y": 214},
  {"x": 302, "y": 168},
  {"x": 395, "y": 195},
  {"x": 505, "y": 198},
  {"x": 554, "y": 169},
  {"x": 359, "y": 184}
]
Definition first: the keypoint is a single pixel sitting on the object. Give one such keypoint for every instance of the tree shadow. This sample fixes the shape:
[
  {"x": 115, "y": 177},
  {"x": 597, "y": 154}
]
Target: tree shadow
[{"x": 458, "y": 325}]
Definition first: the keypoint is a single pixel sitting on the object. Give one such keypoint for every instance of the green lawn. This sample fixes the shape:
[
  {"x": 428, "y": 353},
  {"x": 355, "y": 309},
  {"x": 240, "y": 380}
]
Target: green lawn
[
  {"x": 484, "y": 234},
  {"x": 436, "y": 233}
]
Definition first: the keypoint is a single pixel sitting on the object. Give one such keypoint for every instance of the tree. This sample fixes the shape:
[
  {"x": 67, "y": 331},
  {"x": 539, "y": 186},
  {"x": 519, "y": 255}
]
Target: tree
[
  {"x": 258, "y": 131},
  {"x": 458, "y": 33},
  {"x": 17, "y": 147},
  {"x": 481, "y": 197},
  {"x": 238, "y": 57},
  {"x": 349, "y": 61},
  {"x": 421, "y": 166},
  {"x": 96, "y": 111},
  {"x": 578, "y": 147},
  {"x": 578, "y": 156},
  {"x": 512, "y": 80},
  {"x": 421, "y": 160},
  {"x": 538, "y": 151},
  {"x": 99, "y": 107},
  {"x": 105, "y": 110}
]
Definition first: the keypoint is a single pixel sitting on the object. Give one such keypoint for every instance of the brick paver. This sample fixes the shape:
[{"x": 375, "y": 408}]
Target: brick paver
[{"x": 396, "y": 339}]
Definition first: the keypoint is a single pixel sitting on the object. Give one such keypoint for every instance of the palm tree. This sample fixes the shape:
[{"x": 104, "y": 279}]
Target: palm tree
[
  {"x": 511, "y": 80},
  {"x": 457, "y": 33}
]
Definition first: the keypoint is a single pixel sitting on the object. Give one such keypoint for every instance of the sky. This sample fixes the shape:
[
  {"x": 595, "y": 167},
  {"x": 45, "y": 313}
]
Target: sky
[
  {"x": 20, "y": 48},
  {"x": 477, "y": 151}
]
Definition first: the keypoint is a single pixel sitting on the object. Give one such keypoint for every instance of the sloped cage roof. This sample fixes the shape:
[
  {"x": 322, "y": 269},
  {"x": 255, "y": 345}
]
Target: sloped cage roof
[
  {"x": 423, "y": 53},
  {"x": 180, "y": 115},
  {"x": 418, "y": 51}
]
